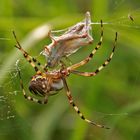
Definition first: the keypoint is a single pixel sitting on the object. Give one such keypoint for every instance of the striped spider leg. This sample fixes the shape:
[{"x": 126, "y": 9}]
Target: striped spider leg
[
  {"x": 86, "y": 60},
  {"x": 48, "y": 83},
  {"x": 28, "y": 97},
  {"x": 77, "y": 109},
  {"x": 34, "y": 63},
  {"x": 72, "y": 68},
  {"x": 69, "y": 42}
]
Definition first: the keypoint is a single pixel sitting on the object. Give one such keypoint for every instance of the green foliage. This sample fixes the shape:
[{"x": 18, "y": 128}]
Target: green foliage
[{"x": 111, "y": 98}]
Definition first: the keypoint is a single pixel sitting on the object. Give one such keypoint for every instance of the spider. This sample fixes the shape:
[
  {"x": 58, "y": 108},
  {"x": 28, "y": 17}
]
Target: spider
[
  {"x": 48, "y": 82},
  {"x": 69, "y": 42}
]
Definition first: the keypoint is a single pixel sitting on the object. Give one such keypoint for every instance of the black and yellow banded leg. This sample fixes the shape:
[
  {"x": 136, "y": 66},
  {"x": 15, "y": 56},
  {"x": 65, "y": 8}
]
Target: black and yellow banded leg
[
  {"x": 77, "y": 109},
  {"x": 34, "y": 63},
  {"x": 44, "y": 101},
  {"x": 101, "y": 67},
  {"x": 86, "y": 60}
]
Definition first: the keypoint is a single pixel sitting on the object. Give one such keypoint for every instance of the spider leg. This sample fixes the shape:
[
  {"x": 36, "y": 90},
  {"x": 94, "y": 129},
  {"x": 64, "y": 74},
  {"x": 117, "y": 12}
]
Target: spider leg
[
  {"x": 76, "y": 108},
  {"x": 29, "y": 97},
  {"x": 100, "y": 67},
  {"x": 29, "y": 58},
  {"x": 86, "y": 60}
]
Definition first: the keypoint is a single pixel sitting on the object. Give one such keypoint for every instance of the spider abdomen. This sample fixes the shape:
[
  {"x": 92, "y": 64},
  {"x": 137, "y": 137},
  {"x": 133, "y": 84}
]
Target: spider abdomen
[{"x": 45, "y": 86}]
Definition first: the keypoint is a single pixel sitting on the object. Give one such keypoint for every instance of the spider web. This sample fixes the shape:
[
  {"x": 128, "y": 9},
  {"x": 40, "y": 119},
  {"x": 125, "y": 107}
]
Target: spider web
[{"x": 7, "y": 101}]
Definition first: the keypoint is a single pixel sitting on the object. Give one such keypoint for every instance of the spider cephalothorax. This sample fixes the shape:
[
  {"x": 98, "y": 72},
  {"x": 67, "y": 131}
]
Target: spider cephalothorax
[
  {"x": 69, "y": 42},
  {"x": 48, "y": 82}
]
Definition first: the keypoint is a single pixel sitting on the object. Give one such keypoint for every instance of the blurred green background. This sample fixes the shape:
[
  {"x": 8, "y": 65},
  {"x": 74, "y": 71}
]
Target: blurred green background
[{"x": 111, "y": 98}]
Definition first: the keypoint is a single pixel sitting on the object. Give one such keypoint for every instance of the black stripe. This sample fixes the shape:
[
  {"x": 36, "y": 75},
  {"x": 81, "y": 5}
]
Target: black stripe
[
  {"x": 116, "y": 36},
  {"x": 102, "y": 33},
  {"x": 25, "y": 55},
  {"x": 78, "y": 111},
  {"x": 38, "y": 63},
  {"x": 99, "y": 43},
  {"x": 91, "y": 55},
  {"x": 40, "y": 102},
  {"x": 97, "y": 71},
  {"x": 25, "y": 96},
  {"x": 104, "y": 64},
  {"x": 36, "y": 69},
  {"x": 83, "y": 117},
  {"x": 101, "y": 23},
  {"x": 96, "y": 48},
  {"x": 109, "y": 59},
  {"x": 73, "y": 104},
  {"x": 34, "y": 59},
  {"x": 113, "y": 49}
]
